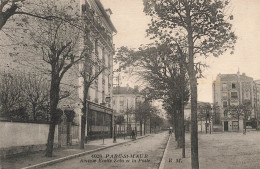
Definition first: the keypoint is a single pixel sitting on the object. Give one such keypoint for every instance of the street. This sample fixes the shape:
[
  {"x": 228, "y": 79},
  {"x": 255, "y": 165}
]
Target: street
[{"x": 143, "y": 153}]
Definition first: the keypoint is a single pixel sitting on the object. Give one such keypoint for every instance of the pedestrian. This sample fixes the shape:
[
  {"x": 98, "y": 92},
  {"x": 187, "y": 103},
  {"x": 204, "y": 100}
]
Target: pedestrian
[{"x": 133, "y": 135}]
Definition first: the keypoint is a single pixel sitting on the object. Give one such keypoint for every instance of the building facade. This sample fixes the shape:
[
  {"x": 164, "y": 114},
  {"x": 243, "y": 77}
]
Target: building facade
[
  {"x": 234, "y": 90},
  {"x": 99, "y": 66},
  {"x": 204, "y": 121},
  {"x": 99, "y": 119},
  {"x": 125, "y": 101}
]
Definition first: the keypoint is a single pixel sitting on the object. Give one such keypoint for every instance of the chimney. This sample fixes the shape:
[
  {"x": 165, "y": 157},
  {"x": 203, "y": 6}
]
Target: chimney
[{"x": 108, "y": 11}]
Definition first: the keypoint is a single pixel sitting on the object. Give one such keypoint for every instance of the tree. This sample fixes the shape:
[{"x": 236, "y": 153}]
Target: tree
[
  {"x": 120, "y": 119},
  {"x": 156, "y": 120},
  {"x": 70, "y": 114},
  {"x": 9, "y": 8},
  {"x": 36, "y": 91},
  {"x": 196, "y": 28},
  {"x": 142, "y": 114},
  {"x": 238, "y": 111},
  {"x": 25, "y": 97},
  {"x": 60, "y": 48},
  {"x": 12, "y": 100},
  {"x": 204, "y": 114},
  {"x": 163, "y": 70}
]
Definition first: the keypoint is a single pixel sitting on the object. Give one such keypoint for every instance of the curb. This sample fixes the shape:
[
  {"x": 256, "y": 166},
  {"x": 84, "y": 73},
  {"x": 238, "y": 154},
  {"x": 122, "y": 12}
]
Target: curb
[
  {"x": 161, "y": 166},
  {"x": 51, "y": 162}
]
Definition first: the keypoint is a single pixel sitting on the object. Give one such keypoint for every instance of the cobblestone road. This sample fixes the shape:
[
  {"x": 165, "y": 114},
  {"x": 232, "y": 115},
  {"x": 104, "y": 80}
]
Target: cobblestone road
[{"x": 144, "y": 153}]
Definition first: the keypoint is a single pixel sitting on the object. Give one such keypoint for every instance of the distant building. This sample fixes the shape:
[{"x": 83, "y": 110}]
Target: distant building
[
  {"x": 233, "y": 90},
  {"x": 257, "y": 101},
  {"x": 201, "y": 116},
  {"x": 125, "y": 101}
]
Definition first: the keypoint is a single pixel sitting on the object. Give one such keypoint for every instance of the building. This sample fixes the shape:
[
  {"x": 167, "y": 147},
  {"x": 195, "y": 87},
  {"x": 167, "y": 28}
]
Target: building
[
  {"x": 203, "y": 108},
  {"x": 125, "y": 101},
  {"x": 100, "y": 37},
  {"x": 257, "y": 101},
  {"x": 100, "y": 115},
  {"x": 231, "y": 90}
]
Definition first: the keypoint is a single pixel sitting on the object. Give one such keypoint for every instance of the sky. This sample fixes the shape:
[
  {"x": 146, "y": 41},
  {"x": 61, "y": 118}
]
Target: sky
[{"x": 131, "y": 23}]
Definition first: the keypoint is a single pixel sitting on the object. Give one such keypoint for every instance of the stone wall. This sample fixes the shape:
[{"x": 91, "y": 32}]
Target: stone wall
[{"x": 17, "y": 138}]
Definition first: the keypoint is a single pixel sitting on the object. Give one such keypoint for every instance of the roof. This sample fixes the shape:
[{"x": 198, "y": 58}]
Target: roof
[
  {"x": 234, "y": 77},
  {"x": 104, "y": 13},
  {"x": 125, "y": 90},
  {"x": 257, "y": 81},
  {"x": 188, "y": 106}
]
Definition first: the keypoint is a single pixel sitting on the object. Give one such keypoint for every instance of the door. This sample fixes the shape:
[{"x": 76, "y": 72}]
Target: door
[{"x": 225, "y": 125}]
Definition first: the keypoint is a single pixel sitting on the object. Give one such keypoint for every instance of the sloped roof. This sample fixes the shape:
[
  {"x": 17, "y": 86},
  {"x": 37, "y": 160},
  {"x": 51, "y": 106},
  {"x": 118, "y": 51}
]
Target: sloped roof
[
  {"x": 234, "y": 77},
  {"x": 103, "y": 11}
]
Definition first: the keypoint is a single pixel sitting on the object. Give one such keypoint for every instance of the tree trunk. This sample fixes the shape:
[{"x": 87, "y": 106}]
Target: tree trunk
[
  {"x": 194, "y": 96},
  {"x": 206, "y": 126},
  {"x": 238, "y": 122},
  {"x": 54, "y": 99},
  {"x": 84, "y": 114},
  {"x": 68, "y": 134},
  {"x": 194, "y": 126},
  {"x": 144, "y": 127},
  {"x": 176, "y": 125},
  {"x": 201, "y": 125},
  {"x": 182, "y": 107},
  {"x": 49, "y": 149},
  {"x": 141, "y": 127},
  {"x": 210, "y": 125},
  {"x": 34, "y": 112},
  {"x": 150, "y": 125},
  {"x": 180, "y": 128},
  {"x": 182, "y": 124}
]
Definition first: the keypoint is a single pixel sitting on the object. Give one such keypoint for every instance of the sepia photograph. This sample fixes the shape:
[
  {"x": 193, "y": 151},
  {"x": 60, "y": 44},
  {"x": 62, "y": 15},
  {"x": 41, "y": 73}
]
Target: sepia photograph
[{"x": 130, "y": 84}]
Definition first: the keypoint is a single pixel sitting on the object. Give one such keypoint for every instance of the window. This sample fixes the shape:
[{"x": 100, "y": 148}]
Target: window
[
  {"x": 224, "y": 86},
  {"x": 96, "y": 95},
  {"x": 103, "y": 96},
  {"x": 103, "y": 55},
  {"x": 224, "y": 96},
  {"x": 225, "y": 113},
  {"x": 108, "y": 60},
  {"x": 233, "y": 85},
  {"x": 234, "y": 95},
  {"x": 96, "y": 48},
  {"x": 247, "y": 95},
  {"x": 224, "y": 104},
  {"x": 235, "y": 124},
  {"x": 121, "y": 101}
]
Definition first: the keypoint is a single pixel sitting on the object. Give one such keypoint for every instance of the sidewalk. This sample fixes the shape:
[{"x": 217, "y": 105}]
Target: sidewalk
[
  {"x": 173, "y": 156},
  {"x": 60, "y": 154}
]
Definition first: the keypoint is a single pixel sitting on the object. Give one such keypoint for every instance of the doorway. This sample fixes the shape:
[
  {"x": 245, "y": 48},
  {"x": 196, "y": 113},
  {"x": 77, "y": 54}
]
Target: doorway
[{"x": 225, "y": 125}]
